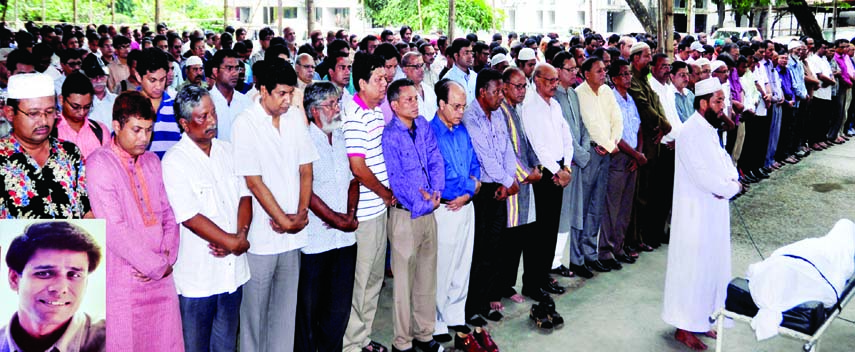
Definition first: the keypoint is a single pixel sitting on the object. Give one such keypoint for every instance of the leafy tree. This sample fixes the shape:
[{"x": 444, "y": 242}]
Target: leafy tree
[
  {"x": 125, "y": 7},
  {"x": 471, "y": 15}
]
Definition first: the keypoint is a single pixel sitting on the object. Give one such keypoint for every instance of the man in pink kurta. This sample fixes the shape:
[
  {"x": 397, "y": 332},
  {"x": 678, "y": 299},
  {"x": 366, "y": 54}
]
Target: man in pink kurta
[{"x": 142, "y": 235}]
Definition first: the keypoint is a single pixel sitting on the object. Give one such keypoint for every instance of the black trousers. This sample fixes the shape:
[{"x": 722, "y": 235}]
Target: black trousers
[
  {"x": 785, "y": 139},
  {"x": 324, "y": 299},
  {"x": 491, "y": 219},
  {"x": 547, "y": 202},
  {"x": 840, "y": 113},
  {"x": 819, "y": 120},
  {"x": 516, "y": 241},
  {"x": 653, "y": 215},
  {"x": 756, "y": 142}
]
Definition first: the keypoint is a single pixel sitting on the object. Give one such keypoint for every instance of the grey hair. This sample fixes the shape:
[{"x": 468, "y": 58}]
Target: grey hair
[
  {"x": 410, "y": 57},
  {"x": 301, "y": 56},
  {"x": 316, "y": 93},
  {"x": 187, "y": 99}
]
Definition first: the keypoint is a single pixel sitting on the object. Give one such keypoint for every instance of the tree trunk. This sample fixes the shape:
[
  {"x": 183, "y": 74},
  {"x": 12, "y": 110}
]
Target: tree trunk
[
  {"x": 451, "y": 10},
  {"x": 668, "y": 27},
  {"x": 762, "y": 17},
  {"x": 310, "y": 16},
  {"x": 719, "y": 8},
  {"x": 737, "y": 19},
  {"x": 804, "y": 15},
  {"x": 643, "y": 16}
]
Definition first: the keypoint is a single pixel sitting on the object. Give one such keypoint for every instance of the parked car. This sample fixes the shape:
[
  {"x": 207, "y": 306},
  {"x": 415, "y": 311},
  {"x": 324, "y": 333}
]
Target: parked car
[{"x": 743, "y": 33}]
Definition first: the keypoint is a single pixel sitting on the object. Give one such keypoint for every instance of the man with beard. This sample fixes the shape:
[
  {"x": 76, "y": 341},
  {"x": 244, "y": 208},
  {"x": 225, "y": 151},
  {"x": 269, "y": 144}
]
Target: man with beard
[
  {"x": 698, "y": 267},
  {"x": 274, "y": 154},
  {"x": 102, "y": 100},
  {"x": 74, "y": 124},
  {"x": 195, "y": 73},
  {"x": 55, "y": 168},
  {"x": 328, "y": 260},
  {"x": 214, "y": 209},
  {"x": 225, "y": 66},
  {"x": 45, "y": 257}
]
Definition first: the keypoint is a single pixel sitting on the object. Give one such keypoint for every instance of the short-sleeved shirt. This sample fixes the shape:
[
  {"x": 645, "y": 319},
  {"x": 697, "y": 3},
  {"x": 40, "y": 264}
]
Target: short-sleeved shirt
[
  {"x": 86, "y": 138},
  {"x": 363, "y": 133},
  {"x": 226, "y": 113},
  {"x": 197, "y": 183},
  {"x": 53, "y": 191},
  {"x": 631, "y": 119},
  {"x": 465, "y": 80},
  {"x": 166, "y": 131},
  {"x": 331, "y": 181},
  {"x": 275, "y": 155},
  {"x": 102, "y": 110}
]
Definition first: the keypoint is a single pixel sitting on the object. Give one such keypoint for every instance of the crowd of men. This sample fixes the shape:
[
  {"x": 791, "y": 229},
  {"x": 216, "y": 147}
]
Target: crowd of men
[{"x": 252, "y": 195}]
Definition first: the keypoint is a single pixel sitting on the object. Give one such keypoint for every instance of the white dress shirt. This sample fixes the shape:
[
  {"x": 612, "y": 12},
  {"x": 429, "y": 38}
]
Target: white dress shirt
[
  {"x": 226, "y": 113},
  {"x": 102, "y": 109},
  {"x": 206, "y": 185},
  {"x": 427, "y": 104},
  {"x": 669, "y": 104},
  {"x": 276, "y": 156},
  {"x": 547, "y": 131}
]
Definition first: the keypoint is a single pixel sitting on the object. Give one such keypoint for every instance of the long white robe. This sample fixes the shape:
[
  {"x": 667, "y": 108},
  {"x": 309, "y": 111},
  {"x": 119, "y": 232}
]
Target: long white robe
[{"x": 698, "y": 268}]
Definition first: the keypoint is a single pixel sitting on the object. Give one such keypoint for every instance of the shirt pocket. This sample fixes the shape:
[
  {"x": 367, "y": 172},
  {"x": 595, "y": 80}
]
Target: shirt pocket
[{"x": 206, "y": 194}]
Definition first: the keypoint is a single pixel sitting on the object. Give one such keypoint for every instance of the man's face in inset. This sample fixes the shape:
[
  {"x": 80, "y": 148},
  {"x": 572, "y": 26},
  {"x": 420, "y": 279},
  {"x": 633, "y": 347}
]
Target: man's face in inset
[{"x": 50, "y": 288}]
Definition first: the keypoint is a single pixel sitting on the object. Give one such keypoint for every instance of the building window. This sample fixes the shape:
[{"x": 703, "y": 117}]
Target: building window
[
  {"x": 319, "y": 15},
  {"x": 242, "y": 14},
  {"x": 289, "y": 13},
  {"x": 342, "y": 17},
  {"x": 269, "y": 15}
]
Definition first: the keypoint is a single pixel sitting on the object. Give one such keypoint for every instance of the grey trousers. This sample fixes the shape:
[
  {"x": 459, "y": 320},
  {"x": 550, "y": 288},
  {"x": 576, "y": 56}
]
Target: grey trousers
[
  {"x": 269, "y": 307},
  {"x": 583, "y": 246},
  {"x": 367, "y": 282},
  {"x": 619, "y": 198}
]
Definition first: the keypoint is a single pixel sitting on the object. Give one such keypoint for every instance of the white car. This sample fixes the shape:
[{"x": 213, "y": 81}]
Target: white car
[{"x": 743, "y": 33}]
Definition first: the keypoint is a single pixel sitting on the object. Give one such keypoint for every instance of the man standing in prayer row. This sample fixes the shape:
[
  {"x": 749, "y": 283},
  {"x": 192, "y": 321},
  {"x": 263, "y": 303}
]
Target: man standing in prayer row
[{"x": 698, "y": 267}]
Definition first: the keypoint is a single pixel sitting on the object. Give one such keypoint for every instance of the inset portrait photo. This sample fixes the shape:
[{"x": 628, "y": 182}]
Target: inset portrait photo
[{"x": 52, "y": 295}]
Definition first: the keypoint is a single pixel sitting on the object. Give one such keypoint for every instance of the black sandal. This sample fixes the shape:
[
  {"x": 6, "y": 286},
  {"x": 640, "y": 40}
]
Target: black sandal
[{"x": 540, "y": 317}]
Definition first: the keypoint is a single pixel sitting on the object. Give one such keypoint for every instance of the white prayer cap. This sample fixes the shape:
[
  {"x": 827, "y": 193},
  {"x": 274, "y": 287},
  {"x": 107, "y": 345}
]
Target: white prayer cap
[
  {"x": 526, "y": 54},
  {"x": 30, "y": 85},
  {"x": 697, "y": 46},
  {"x": 702, "y": 61},
  {"x": 193, "y": 61},
  {"x": 637, "y": 47},
  {"x": 707, "y": 86},
  {"x": 794, "y": 44},
  {"x": 716, "y": 64},
  {"x": 498, "y": 58}
]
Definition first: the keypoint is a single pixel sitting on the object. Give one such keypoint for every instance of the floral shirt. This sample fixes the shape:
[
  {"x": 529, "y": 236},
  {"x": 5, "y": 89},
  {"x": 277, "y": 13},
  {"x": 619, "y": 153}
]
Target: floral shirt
[{"x": 55, "y": 190}]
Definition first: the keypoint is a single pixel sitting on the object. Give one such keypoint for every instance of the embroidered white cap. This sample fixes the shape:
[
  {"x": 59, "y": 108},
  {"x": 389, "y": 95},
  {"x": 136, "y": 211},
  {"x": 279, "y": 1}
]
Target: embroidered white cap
[
  {"x": 707, "y": 86},
  {"x": 637, "y": 47},
  {"x": 526, "y": 54}
]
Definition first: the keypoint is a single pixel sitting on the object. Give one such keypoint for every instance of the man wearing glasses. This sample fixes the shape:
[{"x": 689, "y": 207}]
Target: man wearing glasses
[
  {"x": 74, "y": 124},
  {"x": 414, "y": 70},
  {"x": 429, "y": 56},
  {"x": 71, "y": 60},
  {"x": 305, "y": 70},
  {"x": 41, "y": 177},
  {"x": 225, "y": 67}
]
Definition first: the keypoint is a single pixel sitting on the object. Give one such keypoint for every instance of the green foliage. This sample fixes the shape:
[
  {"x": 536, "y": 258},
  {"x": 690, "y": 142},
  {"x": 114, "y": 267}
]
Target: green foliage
[
  {"x": 176, "y": 13},
  {"x": 470, "y": 15},
  {"x": 125, "y": 7}
]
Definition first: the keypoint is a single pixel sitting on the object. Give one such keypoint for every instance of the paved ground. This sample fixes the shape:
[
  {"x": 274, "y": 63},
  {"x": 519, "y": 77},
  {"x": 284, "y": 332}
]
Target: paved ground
[{"x": 621, "y": 311}]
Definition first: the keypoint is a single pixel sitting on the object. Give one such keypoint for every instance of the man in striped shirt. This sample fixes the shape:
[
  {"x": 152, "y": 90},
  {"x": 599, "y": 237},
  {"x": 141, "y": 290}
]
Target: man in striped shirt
[
  {"x": 363, "y": 129},
  {"x": 151, "y": 70}
]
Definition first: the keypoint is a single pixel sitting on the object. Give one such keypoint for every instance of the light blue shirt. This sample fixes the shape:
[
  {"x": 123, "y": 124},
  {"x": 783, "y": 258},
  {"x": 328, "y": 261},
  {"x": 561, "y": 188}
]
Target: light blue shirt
[
  {"x": 467, "y": 81},
  {"x": 797, "y": 72},
  {"x": 685, "y": 104},
  {"x": 631, "y": 119}
]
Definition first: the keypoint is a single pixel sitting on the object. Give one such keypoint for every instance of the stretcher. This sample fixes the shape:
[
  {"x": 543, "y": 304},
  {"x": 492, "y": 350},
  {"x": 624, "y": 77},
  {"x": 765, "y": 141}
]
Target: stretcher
[{"x": 806, "y": 322}]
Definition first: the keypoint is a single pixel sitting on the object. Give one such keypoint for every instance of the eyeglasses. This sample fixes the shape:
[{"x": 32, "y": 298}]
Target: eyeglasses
[
  {"x": 35, "y": 114},
  {"x": 333, "y": 106},
  {"x": 413, "y": 66},
  {"x": 720, "y": 72},
  {"x": 572, "y": 69},
  {"x": 520, "y": 86},
  {"x": 76, "y": 107},
  {"x": 458, "y": 107}
]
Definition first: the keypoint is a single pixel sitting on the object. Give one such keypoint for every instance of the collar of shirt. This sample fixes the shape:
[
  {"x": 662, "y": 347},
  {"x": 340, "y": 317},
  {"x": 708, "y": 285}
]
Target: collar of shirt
[
  {"x": 70, "y": 340},
  {"x": 14, "y": 147}
]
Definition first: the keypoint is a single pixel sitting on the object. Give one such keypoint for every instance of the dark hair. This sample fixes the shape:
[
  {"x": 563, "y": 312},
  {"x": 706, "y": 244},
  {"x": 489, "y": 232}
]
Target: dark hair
[
  {"x": 132, "y": 104},
  {"x": 363, "y": 64},
  {"x": 614, "y": 38},
  {"x": 510, "y": 72},
  {"x": 404, "y": 29},
  {"x": 239, "y": 47},
  {"x": 677, "y": 65},
  {"x": 423, "y": 47},
  {"x": 77, "y": 83},
  {"x": 120, "y": 40},
  {"x": 221, "y": 56},
  {"x": 55, "y": 235},
  {"x": 614, "y": 68},
  {"x": 658, "y": 57},
  {"x": 363, "y": 44},
  {"x": 265, "y": 33},
  {"x": 19, "y": 56},
  {"x": 551, "y": 51},
  {"x": 442, "y": 88},
  {"x": 479, "y": 46},
  {"x": 589, "y": 63},
  {"x": 278, "y": 72},
  {"x": 274, "y": 51},
  {"x": 472, "y": 37},
  {"x": 42, "y": 50},
  {"x": 697, "y": 103},
  {"x": 387, "y": 51},
  {"x": 559, "y": 58},
  {"x": 307, "y": 49},
  {"x": 339, "y": 34},
  {"x": 485, "y": 77},
  {"x": 152, "y": 59},
  {"x": 456, "y": 45},
  {"x": 70, "y": 54},
  {"x": 278, "y": 41},
  {"x": 394, "y": 89},
  {"x": 336, "y": 46}
]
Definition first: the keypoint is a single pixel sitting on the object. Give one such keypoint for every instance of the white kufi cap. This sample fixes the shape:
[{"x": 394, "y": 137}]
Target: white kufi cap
[
  {"x": 707, "y": 86},
  {"x": 30, "y": 85}
]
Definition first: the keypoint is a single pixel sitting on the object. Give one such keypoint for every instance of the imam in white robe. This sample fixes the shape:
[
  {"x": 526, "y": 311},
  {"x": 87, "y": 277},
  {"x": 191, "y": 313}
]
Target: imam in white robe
[{"x": 698, "y": 269}]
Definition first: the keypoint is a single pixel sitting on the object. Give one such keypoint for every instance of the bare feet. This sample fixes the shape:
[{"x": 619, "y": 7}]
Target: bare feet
[
  {"x": 689, "y": 339},
  {"x": 711, "y": 334},
  {"x": 497, "y": 306},
  {"x": 518, "y": 298}
]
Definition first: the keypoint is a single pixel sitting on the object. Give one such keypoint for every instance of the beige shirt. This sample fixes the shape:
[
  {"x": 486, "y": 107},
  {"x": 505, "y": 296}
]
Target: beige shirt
[
  {"x": 601, "y": 115},
  {"x": 118, "y": 73}
]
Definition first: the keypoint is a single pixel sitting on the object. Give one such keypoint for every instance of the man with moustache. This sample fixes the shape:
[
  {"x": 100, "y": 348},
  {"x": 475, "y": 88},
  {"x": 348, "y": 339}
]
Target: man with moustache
[
  {"x": 274, "y": 154},
  {"x": 214, "y": 209},
  {"x": 225, "y": 67},
  {"x": 698, "y": 268},
  {"x": 460, "y": 52},
  {"x": 195, "y": 72},
  {"x": 328, "y": 261},
  {"x": 142, "y": 236},
  {"x": 45, "y": 257},
  {"x": 102, "y": 100},
  {"x": 549, "y": 134},
  {"x": 74, "y": 124},
  {"x": 339, "y": 74},
  {"x": 54, "y": 168},
  {"x": 413, "y": 66}
]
